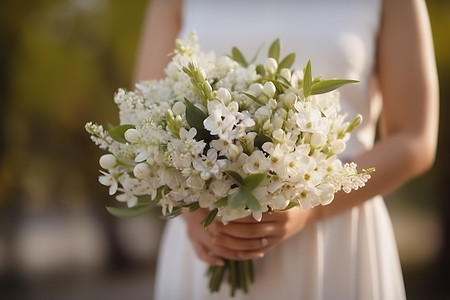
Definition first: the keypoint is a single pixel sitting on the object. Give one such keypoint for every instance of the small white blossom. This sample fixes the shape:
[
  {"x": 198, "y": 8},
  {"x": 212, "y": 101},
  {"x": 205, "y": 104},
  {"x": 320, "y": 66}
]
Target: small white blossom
[
  {"x": 109, "y": 180},
  {"x": 128, "y": 197},
  {"x": 256, "y": 163},
  {"x": 209, "y": 165}
]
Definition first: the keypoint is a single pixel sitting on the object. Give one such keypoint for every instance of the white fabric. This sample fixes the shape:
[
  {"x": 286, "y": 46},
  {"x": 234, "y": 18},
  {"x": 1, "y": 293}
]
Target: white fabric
[{"x": 350, "y": 256}]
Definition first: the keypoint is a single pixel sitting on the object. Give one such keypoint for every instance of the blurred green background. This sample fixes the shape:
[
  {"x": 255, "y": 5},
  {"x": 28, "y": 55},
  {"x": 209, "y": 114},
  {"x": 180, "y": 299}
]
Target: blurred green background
[{"x": 60, "y": 64}]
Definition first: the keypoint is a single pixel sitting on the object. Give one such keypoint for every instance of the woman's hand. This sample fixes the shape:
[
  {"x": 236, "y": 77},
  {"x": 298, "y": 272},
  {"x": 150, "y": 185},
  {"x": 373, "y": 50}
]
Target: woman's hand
[{"x": 244, "y": 238}]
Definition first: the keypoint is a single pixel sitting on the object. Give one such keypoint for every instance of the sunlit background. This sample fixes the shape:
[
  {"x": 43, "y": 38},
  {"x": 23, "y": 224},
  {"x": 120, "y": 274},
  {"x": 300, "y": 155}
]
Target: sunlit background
[{"x": 60, "y": 63}]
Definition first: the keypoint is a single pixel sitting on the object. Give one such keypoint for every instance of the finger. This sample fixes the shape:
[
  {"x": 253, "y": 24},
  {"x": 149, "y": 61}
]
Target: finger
[
  {"x": 248, "y": 231},
  {"x": 207, "y": 255},
  {"x": 236, "y": 255},
  {"x": 248, "y": 219},
  {"x": 237, "y": 244}
]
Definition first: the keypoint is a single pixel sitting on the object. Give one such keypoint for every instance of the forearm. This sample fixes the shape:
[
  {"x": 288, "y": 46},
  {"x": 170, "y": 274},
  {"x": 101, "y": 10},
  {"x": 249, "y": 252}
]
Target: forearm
[
  {"x": 161, "y": 27},
  {"x": 397, "y": 159}
]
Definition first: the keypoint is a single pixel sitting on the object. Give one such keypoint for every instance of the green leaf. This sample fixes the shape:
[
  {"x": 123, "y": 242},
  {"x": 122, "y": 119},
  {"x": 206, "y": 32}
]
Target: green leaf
[
  {"x": 252, "y": 181},
  {"x": 193, "y": 206},
  {"x": 325, "y": 86},
  {"x": 237, "y": 199},
  {"x": 236, "y": 54},
  {"x": 129, "y": 212},
  {"x": 221, "y": 202},
  {"x": 260, "y": 70},
  {"x": 195, "y": 118},
  {"x": 244, "y": 198},
  {"x": 176, "y": 211},
  {"x": 118, "y": 132},
  {"x": 210, "y": 217},
  {"x": 280, "y": 85},
  {"x": 236, "y": 176},
  {"x": 307, "y": 80},
  {"x": 260, "y": 139},
  {"x": 250, "y": 201},
  {"x": 283, "y": 80},
  {"x": 287, "y": 62},
  {"x": 274, "y": 50},
  {"x": 259, "y": 101},
  {"x": 291, "y": 205}
]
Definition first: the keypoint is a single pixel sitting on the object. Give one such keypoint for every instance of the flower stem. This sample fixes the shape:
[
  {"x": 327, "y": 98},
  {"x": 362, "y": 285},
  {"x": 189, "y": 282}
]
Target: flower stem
[{"x": 240, "y": 276}]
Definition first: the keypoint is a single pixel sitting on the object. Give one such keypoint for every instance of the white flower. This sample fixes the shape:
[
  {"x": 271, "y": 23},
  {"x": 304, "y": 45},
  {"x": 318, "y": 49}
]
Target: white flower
[
  {"x": 220, "y": 121},
  {"x": 221, "y": 146},
  {"x": 108, "y": 180},
  {"x": 308, "y": 196},
  {"x": 338, "y": 146},
  {"x": 167, "y": 203},
  {"x": 193, "y": 181},
  {"x": 256, "y": 163},
  {"x": 108, "y": 161},
  {"x": 206, "y": 200},
  {"x": 318, "y": 139},
  {"x": 209, "y": 165},
  {"x": 127, "y": 197},
  {"x": 326, "y": 192},
  {"x": 220, "y": 188},
  {"x": 187, "y": 135}
]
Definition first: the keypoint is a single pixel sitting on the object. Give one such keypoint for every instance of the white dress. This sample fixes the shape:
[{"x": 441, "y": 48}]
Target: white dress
[{"x": 350, "y": 256}]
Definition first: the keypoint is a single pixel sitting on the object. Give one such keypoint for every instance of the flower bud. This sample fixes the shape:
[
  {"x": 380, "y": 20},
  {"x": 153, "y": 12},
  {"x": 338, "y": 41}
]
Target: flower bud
[
  {"x": 201, "y": 74},
  {"x": 108, "y": 161},
  {"x": 141, "y": 170},
  {"x": 272, "y": 104},
  {"x": 224, "y": 95},
  {"x": 270, "y": 65},
  {"x": 286, "y": 74},
  {"x": 290, "y": 99},
  {"x": 355, "y": 122},
  {"x": 269, "y": 89},
  {"x": 233, "y": 151},
  {"x": 256, "y": 89},
  {"x": 132, "y": 135},
  {"x": 178, "y": 108},
  {"x": 278, "y": 135}
]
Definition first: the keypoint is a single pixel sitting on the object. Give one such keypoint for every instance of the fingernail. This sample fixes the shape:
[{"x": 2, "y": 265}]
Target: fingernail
[{"x": 251, "y": 255}]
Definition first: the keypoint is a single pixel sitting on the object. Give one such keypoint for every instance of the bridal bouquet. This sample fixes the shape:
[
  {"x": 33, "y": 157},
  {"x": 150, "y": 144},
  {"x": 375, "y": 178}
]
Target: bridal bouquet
[{"x": 228, "y": 135}]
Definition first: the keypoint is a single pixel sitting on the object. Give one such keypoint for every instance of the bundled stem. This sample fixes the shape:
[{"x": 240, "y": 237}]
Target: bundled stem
[{"x": 240, "y": 276}]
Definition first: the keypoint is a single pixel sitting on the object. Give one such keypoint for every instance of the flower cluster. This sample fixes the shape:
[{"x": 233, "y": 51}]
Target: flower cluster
[{"x": 228, "y": 135}]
